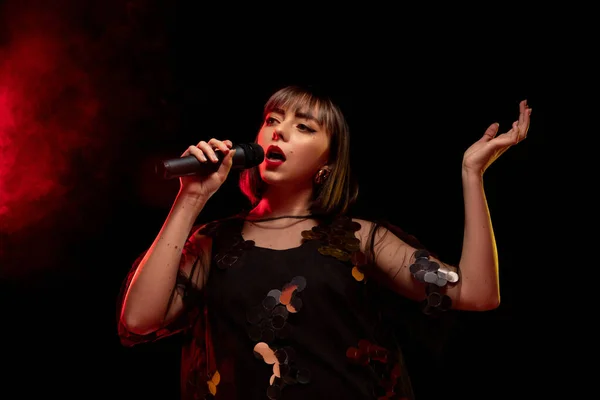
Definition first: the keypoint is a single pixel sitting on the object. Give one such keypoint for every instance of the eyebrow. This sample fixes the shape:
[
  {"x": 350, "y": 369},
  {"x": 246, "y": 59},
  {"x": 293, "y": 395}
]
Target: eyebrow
[{"x": 299, "y": 114}]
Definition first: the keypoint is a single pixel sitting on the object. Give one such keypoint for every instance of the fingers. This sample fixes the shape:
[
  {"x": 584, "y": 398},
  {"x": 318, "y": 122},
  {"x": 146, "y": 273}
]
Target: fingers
[
  {"x": 224, "y": 145},
  {"x": 509, "y": 137},
  {"x": 504, "y": 141},
  {"x": 523, "y": 112},
  {"x": 228, "y": 159},
  {"x": 491, "y": 132},
  {"x": 205, "y": 151},
  {"x": 197, "y": 152},
  {"x": 521, "y": 126}
]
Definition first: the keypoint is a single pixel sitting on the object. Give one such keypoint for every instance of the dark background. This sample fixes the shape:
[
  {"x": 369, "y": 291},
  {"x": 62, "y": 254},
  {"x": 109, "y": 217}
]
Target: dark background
[{"x": 98, "y": 92}]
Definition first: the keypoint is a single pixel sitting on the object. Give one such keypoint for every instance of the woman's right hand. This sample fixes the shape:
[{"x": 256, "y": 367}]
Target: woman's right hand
[{"x": 206, "y": 185}]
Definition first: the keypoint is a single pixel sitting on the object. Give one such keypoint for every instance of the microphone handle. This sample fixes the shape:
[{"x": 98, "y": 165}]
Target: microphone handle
[{"x": 186, "y": 166}]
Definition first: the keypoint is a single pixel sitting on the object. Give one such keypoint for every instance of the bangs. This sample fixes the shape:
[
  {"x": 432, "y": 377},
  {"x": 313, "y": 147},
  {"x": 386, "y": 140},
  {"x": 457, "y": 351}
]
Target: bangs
[{"x": 298, "y": 100}]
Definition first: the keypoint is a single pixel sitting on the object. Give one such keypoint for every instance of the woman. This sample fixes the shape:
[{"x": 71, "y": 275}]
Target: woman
[{"x": 287, "y": 300}]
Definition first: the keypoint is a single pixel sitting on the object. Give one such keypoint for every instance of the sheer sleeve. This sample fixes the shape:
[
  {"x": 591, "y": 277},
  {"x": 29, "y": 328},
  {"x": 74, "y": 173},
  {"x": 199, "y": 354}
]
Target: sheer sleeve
[
  {"x": 416, "y": 272},
  {"x": 184, "y": 287},
  {"x": 424, "y": 327}
]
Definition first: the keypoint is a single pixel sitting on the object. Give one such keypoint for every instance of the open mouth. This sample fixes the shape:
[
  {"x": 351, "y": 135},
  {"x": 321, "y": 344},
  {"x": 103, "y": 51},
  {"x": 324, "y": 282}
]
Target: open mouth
[{"x": 274, "y": 153}]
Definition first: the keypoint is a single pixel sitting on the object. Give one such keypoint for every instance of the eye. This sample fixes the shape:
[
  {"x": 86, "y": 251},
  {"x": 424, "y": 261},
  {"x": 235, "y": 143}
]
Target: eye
[
  {"x": 306, "y": 128},
  {"x": 270, "y": 121}
]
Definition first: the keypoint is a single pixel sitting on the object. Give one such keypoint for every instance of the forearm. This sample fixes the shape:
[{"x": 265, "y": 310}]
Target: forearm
[
  {"x": 148, "y": 294},
  {"x": 479, "y": 285}
]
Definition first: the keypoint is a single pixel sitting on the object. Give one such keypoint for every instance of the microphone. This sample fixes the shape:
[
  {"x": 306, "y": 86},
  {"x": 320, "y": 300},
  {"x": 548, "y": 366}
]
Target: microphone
[{"x": 246, "y": 155}]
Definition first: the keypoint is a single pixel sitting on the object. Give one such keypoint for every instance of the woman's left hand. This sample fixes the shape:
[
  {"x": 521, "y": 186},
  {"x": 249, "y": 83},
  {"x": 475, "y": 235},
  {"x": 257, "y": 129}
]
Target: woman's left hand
[{"x": 486, "y": 150}]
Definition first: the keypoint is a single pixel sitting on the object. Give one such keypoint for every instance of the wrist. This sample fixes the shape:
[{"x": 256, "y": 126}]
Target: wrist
[
  {"x": 194, "y": 201},
  {"x": 470, "y": 175}
]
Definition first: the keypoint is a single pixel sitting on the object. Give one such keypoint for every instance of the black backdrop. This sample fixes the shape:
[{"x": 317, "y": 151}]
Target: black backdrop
[{"x": 164, "y": 78}]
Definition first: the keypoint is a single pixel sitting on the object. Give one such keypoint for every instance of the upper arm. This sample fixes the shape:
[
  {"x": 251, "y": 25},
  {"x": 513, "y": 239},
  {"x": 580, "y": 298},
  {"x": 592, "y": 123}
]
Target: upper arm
[
  {"x": 195, "y": 260},
  {"x": 393, "y": 254},
  {"x": 191, "y": 277},
  {"x": 193, "y": 272}
]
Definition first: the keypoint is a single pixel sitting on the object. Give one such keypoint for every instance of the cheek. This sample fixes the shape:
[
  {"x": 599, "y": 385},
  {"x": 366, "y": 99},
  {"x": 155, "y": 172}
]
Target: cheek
[
  {"x": 315, "y": 153},
  {"x": 310, "y": 159},
  {"x": 263, "y": 135}
]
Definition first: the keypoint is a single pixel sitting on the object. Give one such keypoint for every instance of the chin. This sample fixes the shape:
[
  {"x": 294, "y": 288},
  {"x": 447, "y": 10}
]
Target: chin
[
  {"x": 269, "y": 179},
  {"x": 267, "y": 176}
]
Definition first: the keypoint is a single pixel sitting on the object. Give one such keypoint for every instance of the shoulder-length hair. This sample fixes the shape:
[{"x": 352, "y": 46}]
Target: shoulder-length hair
[{"x": 340, "y": 189}]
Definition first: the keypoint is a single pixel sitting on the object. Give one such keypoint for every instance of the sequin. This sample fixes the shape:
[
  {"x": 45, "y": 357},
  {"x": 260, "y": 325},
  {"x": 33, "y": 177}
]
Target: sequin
[
  {"x": 422, "y": 253},
  {"x": 282, "y": 356},
  {"x": 427, "y": 271},
  {"x": 357, "y": 274},
  {"x": 430, "y": 277},
  {"x": 379, "y": 361},
  {"x": 232, "y": 252},
  {"x": 295, "y": 305},
  {"x": 434, "y": 299},
  {"x": 334, "y": 252},
  {"x": 265, "y": 352},
  {"x": 216, "y": 378},
  {"x": 213, "y": 383},
  {"x": 435, "y": 276},
  {"x": 339, "y": 235},
  {"x": 269, "y": 303},
  {"x": 269, "y": 321},
  {"x": 287, "y": 297},
  {"x": 280, "y": 311},
  {"x": 339, "y": 241},
  {"x": 311, "y": 235},
  {"x": 356, "y": 356},
  {"x": 435, "y": 302},
  {"x": 303, "y": 376},
  {"x": 276, "y": 371},
  {"x": 274, "y": 392},
  {"x": 290, "y": 377},
  {"x": 300, "y": 282},
  {"x": 287, "y": 293},
  {"x": 212, "y": 388}
]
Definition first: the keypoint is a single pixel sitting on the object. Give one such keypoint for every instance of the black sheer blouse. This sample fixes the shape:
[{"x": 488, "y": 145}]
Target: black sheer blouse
[{"x": 301, "y": 323}]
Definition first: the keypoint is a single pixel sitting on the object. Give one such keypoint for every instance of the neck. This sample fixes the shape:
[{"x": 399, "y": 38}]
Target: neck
[{"x": 278, "y": 203}]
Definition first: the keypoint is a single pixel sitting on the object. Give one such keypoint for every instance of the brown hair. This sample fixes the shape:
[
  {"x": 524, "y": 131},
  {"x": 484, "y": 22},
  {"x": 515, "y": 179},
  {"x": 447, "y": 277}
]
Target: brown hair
[{"x": 339, "y": 191}]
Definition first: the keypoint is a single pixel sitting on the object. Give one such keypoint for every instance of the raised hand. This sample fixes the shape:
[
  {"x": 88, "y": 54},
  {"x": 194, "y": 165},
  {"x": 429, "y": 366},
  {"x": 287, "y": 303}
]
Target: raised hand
[{"x": 486, "y": 150}]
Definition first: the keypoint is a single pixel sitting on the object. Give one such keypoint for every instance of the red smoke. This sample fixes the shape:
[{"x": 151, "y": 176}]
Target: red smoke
[
  {"x": 47, "y": 110},
  {"x": 71, "y": 91}
]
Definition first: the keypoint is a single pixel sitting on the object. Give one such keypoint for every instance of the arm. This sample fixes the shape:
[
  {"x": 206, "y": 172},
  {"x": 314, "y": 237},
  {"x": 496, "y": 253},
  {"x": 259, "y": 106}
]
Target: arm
[
  {"x": 151, "y": 301},
  {"x": 147, "y": 306},
  {"x": 478, "y": 287}
]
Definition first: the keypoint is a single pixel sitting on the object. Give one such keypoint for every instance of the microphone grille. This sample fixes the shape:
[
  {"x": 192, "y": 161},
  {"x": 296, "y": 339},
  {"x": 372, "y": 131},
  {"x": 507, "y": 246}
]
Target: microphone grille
[{"x": 254, "y": 154}]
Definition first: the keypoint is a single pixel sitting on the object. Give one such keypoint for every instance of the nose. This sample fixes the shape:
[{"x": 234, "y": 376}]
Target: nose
[{"x": 277, "y": 134}]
